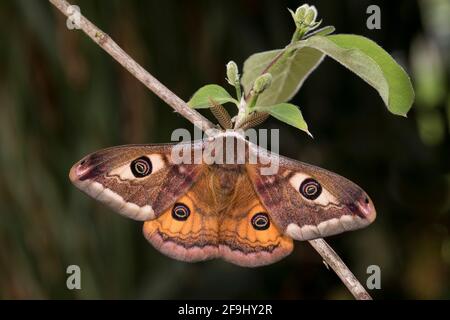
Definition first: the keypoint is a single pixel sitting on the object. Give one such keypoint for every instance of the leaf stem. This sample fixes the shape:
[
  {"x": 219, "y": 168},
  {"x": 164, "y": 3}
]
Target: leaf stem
[
  {"x": 298, "y": 34},
  {"x": 238, "y": 91},
  {"x": 251, "y": 104}
]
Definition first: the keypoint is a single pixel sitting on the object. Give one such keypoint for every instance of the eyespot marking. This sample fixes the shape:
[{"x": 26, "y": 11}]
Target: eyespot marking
[
  {"x": 141, "y": 167},
  {"x": 310, "y": 189},
  {"x": 180, "y": 211},
  {"x": 260, "y": 221},
  {"x": 125, "y": 172},
  {"x": 323, "y": 198}
]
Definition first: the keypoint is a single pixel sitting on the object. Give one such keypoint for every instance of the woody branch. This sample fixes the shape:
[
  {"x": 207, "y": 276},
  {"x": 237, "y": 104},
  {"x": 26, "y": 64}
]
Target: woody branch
[{"x": 329, "y": 256}]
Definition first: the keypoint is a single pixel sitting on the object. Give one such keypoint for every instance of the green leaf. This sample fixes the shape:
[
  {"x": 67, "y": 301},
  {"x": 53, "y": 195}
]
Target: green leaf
[
  {"x": 289, "y": 71},
  {"x": 370, "y": 62},
  {"x": 288, "y": 113},
  {"x": 201, "y": 98}
]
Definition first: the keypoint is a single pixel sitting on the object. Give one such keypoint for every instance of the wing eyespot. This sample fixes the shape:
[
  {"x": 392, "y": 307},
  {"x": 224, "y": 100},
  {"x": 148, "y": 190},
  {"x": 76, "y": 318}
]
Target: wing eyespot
[
  {"x": 180, "y": 211},
  {"x": 141, "y": 167},
  {"x": 310, "y": 189},
  {"x": 260, "y": 221}
]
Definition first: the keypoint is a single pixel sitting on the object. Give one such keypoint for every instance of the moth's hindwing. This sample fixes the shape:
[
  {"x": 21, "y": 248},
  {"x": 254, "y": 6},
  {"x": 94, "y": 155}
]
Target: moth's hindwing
[
  {"x": 188, "y": 229},
  {"x": 220, "y": 216},
  {"x": 248, "y": 234}
]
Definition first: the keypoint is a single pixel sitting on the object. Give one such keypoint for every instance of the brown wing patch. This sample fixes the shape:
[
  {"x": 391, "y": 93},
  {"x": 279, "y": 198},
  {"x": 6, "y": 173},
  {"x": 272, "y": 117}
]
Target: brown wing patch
[
  {"x": 136, "y": 181},
  {"x": 308, "y": 202}
]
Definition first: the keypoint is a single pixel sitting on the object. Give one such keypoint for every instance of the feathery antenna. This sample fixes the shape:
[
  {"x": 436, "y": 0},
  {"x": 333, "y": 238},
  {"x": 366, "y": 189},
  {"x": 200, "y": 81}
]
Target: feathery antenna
[
  {"x": 221, "y": 114},
  {"x": 254, "y": 120}
]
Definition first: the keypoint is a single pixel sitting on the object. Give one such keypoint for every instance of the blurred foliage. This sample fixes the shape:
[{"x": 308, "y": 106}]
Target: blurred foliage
[{"x": 62, "y": 97}]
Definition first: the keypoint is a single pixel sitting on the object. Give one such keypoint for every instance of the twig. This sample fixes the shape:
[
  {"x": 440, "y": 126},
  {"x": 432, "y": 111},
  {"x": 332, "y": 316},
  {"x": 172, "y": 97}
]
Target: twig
[
  {"x": 332, "y": 259},
  {"x": 104, "y": 41},
  {"x": 329, "y": 256}
]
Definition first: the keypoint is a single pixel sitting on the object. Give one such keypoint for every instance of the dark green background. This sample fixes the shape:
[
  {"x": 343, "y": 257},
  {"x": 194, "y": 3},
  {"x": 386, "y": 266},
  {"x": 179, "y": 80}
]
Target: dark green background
[{"x": 62, "y": 97}]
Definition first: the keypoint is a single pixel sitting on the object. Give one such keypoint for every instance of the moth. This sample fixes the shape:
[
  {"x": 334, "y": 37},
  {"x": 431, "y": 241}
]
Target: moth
[{"x": 200, "y": 210}]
